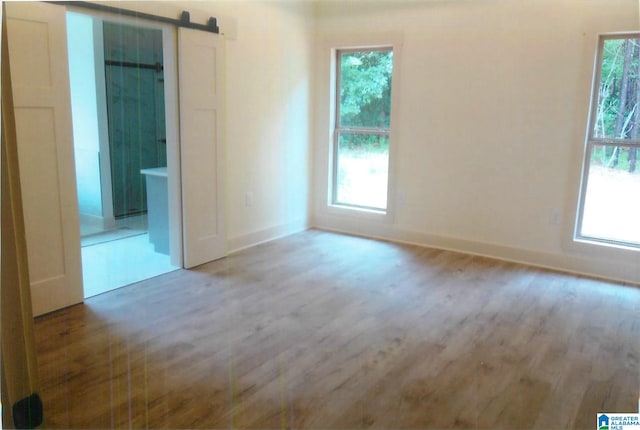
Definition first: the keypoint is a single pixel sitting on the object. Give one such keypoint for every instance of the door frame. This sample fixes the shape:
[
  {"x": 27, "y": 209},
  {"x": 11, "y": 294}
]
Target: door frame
[{"x": 171, "y": 101}]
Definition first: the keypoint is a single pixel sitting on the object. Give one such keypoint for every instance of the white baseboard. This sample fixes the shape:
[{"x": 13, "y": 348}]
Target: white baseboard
[
  {"x": 248, "y": 240},
  {"x": 97, "y": 222},
  {"x": 624, "y": 270},
  {"x": 617, "y": 270}
]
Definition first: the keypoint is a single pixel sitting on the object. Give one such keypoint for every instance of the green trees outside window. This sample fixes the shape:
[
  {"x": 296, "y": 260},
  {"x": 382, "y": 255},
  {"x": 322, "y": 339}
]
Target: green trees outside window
[{"x": 617, "y": 112}]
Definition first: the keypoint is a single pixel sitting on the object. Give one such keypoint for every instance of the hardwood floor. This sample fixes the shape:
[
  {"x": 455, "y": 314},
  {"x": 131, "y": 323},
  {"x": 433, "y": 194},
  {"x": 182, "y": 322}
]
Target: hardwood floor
[{"x": 320, "y": 330}]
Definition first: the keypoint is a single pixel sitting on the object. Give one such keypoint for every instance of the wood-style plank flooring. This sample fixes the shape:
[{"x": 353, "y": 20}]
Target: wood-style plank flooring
[{"x": 320, "y": 330}]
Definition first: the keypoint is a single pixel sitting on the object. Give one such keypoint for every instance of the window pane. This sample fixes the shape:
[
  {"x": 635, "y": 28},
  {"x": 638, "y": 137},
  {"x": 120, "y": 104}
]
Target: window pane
[
  {"x": 612, "y": 200},
  {"x": 619, "y": 91},
  {"x": 362, "y": 170},
  {"x": 365, "y": 88}
]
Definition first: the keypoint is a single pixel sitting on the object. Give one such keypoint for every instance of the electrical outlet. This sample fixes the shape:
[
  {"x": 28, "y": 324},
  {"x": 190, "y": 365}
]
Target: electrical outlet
[{"x": 556, "y": 217}]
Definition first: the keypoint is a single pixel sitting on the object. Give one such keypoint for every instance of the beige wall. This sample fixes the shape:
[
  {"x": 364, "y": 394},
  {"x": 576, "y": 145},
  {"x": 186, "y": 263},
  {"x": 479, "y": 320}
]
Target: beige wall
[
  {"x": 491, "y": 118},
  {"x": 269, "y": 106},
  {"x": 268, "y": 103},
  {"x": 493, "y": 107}
]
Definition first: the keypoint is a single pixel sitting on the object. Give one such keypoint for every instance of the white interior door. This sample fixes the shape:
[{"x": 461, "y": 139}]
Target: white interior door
[
  {"x": 200, "y": 59},
  {"x": 40, "y": 83}
]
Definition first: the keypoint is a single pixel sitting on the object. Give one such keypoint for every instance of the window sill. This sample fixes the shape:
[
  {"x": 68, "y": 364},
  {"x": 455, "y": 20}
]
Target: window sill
[
  {"x": 605, "y": 244},
  {"x": 359, "y": 209},
  {"x": 358, "y": 212}
]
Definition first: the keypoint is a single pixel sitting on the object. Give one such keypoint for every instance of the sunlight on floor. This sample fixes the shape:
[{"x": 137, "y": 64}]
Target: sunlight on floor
[{"x": 117, "y": 263}]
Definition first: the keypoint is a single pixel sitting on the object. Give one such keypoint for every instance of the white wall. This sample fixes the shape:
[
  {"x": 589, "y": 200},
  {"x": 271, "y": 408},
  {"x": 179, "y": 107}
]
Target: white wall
[
  {"x": 269, "y": 57},
  {"x": 493, "y": 107},
  {"x": 269, "y": 131},
  {"x": 490, "y": 130},
  {"x": 82, "y": 75}
]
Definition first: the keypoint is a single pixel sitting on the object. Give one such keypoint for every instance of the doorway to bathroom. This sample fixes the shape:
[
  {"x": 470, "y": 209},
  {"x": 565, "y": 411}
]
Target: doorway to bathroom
[{"x": 125, "y": 150}]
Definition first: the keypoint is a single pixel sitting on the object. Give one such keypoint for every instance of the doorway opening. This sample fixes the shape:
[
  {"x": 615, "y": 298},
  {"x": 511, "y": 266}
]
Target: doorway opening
[{"x": 121, "y": 76}]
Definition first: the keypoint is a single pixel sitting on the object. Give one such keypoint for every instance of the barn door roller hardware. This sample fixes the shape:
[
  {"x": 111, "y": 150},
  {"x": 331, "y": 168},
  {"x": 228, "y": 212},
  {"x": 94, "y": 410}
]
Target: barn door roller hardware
[{"x": 184, "y": 21}]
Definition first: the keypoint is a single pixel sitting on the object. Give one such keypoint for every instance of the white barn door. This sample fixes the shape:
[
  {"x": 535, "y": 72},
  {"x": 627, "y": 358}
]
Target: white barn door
[
  {"x": 200, "y": 59},
  {"x": 39, "y": 71}
]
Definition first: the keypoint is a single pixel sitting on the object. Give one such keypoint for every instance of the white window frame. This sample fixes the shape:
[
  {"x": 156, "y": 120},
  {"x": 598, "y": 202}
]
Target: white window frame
[
  {"x": 592, "y": 141},
  {"x": 324, "y": 213},
  {"x": 338, "y": 129}
]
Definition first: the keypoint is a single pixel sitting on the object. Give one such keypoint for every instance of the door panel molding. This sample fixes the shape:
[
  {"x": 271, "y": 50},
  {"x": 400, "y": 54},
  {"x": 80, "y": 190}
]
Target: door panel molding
[
  {"x": 38, "y": 51},
  {"x": 199, "y": 72}
]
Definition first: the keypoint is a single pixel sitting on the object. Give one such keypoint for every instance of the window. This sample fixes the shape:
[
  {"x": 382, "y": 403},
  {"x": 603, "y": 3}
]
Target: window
[
  {"x": 362, "y": 126},
  {"x": 609, "y": 209}
]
